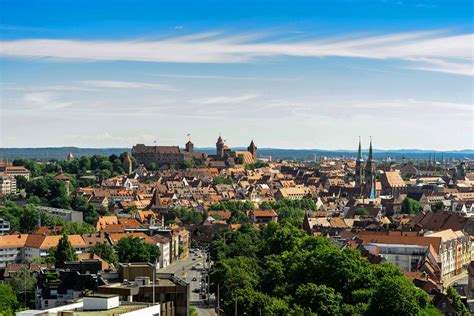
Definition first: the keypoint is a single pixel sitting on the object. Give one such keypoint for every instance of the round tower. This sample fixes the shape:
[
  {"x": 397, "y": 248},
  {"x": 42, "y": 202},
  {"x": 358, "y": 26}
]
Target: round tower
[{"x": 220, "y": 147}]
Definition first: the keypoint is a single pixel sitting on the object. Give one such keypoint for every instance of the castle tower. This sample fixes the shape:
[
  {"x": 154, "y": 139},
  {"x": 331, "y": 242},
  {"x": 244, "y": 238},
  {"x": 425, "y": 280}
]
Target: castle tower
[
  {"x": 252, "y": 149},
  {"x": 128, "y": 161},
  {"x": 189, "y": 146},
  {"x": 359, "y": 169},
  {"x": 370, "y": 172},
  {"x": 220, "y": 147}
]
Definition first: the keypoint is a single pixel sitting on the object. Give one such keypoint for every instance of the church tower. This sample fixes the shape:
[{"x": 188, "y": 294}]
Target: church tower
[
  {"x": 252, "y": 149},
  {"x": 220, "y": 147},
  {"x": 359, "y": 169},
  {"x": 370, "y": 173}
]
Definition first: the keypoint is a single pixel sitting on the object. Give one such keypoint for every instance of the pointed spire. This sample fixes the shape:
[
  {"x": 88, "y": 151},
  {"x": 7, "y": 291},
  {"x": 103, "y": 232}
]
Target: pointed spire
[
  {"x": 370, "y": 150},
  {"x": 359, "y": 153}
]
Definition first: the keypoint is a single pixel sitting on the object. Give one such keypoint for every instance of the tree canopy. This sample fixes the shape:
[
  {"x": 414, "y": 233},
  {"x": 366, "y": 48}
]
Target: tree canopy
[
  {"x": 23, "y": 284},
  {"x": 8, "y": 300},
  {"x": 133, "y": 249},
  {"x": 63, "y": 252},
  {"x": 106, "y": 252},
  {"x": 411, "y": 206},
  {"x": 283, "y": 270}
]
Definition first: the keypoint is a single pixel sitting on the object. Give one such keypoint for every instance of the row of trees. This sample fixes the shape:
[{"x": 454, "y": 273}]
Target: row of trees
[
  {"x": 52, "y": 192},
  {"x": 128, "y": 249},
  {"x": 25, "y": 219},
  {"x": 279, "y": 270},
  {"x": 84, "y": 165}
]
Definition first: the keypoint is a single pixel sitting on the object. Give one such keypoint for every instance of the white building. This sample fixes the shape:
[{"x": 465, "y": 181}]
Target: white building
[
  {"x": 24, "y": 247},
  {"x": 7, "y": 184},
  {"x": 4, "y": 226},
  {"x": 99, "y": 305}
]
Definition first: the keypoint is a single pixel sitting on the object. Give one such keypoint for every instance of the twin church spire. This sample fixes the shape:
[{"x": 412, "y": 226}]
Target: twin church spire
[{"x": 359, "y": 152}]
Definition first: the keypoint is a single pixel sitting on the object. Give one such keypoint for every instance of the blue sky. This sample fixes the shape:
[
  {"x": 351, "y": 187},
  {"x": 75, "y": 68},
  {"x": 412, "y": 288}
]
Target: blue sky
[{"x": 292, "y": 74}]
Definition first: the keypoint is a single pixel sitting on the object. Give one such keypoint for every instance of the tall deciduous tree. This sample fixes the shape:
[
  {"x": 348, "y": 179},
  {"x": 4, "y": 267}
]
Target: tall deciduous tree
[
  {"x": 106, "y": 252},
  {"x": 64, "y": 252},
  {"x": 458, "y": 305},
  {"x": 133, "y": 249},
  {"x": 24, "y": 285},
  {"x": 8, "y": 300}
]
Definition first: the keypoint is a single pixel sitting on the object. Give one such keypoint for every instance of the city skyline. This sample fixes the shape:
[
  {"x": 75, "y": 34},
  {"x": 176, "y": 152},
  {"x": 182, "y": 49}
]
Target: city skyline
[{"x": 306, "y": 75}]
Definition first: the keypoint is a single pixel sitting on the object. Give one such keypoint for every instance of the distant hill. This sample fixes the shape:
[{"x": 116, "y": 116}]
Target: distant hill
[{"x": 276, "y": 153}]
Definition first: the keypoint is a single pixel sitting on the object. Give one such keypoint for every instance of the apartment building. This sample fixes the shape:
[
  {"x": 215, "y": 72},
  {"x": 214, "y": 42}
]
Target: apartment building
[
  {"x": 448, "y": 250},
  {"x": 25, "y": 247}
]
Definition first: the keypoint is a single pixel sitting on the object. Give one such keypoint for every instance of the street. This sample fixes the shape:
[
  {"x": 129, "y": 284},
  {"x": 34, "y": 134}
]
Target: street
[{"x": 190, "y": 269}]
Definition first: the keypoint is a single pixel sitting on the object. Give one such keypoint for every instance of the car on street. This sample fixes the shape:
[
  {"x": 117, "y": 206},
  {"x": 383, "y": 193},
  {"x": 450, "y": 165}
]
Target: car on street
[
  {"x": 194, "y": 279},
  {"x": 196, "y": 290}
]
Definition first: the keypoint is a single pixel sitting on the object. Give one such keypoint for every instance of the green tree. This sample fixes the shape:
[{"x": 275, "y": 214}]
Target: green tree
[
  {"x": 439, "y": 206},
  {"x": 80, "y": 204},
  {"x": 133, "y": 249},
  {"x": 152, "y": 166},
  {"x": 186, "y": 164},
  {"x": 458, "y": 305},
  {"x": 106, "y": 252},
  {"x": 274, "y": 264},
  {"x": 29, "y": 218},
  {"x": 23, "y": 284},
  {"x": 63, "y": 252},
  {"x": 188, "y": 216},
  {"x": 8, "y": 301},
  {"x": 361, "y": 211},
  {"x": 291, "y": 215},
  {"x": 411, "y": 206},
  {"x": 21, "y": 182},
  {"x": 256, "y": 165},
  {"x": 75, "y": 228},
  {"x": 320, "y": 299},
  {"x": 221, "y": 180},
  {"x": 396, "y": 295}
]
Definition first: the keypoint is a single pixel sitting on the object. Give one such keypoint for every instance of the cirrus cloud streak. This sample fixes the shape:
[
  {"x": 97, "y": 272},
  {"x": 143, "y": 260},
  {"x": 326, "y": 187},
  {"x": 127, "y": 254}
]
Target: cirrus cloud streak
[{"x": 428, "y": 51}]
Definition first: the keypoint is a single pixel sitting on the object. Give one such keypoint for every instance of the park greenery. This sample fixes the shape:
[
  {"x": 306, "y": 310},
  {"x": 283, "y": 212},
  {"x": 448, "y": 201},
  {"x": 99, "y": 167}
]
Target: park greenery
[{"x": 279, "y": 270}]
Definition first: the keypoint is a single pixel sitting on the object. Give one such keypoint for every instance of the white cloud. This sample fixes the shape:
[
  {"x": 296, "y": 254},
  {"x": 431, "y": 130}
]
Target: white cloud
[
  {"x": 44, "y": 101},
  {"x": 459, "y": 67},
  {"x": 204, "y": 77},
  {"x": 221, "y": 100},
  {"x": 217, "y": 48},
  {"x": 108, "y": 84}
]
